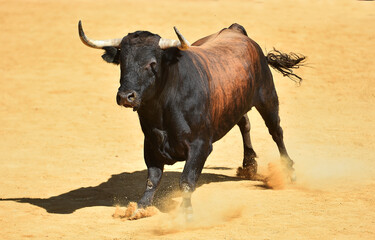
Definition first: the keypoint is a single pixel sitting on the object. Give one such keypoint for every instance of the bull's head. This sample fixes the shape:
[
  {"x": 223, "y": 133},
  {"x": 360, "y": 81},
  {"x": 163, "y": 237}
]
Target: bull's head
[{"x": 139, "y": 55}]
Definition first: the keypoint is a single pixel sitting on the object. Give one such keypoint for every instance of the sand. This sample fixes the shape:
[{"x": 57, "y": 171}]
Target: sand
[{"x": 70, "y": 155}]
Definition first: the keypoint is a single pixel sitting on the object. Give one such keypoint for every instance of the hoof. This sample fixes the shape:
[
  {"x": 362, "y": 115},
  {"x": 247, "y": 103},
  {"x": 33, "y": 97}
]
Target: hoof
[
  {"x": 288, "y": 168},
  {"x": 292, "y": 175},
  {"x": 186, "y": 213},
  {"x": 189, "y": 216},
  {"x": 249, "y": 171}
]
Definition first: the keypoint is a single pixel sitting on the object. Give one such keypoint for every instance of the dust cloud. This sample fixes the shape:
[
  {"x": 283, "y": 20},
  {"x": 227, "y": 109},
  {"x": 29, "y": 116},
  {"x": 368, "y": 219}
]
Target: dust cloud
[
  {"x": 276, "y": 177},
  {"x": 207, "y": 215},
  {"x": 132, "y": 212}
]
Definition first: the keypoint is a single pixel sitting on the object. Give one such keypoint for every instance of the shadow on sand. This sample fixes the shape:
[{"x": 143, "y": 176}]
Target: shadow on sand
[{"x": 120, "y": 189}]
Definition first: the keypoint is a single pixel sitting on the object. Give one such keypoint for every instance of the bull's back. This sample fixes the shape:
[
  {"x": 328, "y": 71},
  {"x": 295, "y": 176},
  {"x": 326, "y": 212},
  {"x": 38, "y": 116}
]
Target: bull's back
[{"x": 232, "y": 62}]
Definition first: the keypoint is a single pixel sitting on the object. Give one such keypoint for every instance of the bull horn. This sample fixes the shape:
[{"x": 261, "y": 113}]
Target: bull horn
[
  {"x": 97, "y": 43},
  {"x": 183, "y": 44},
  {"x": 167, "y": 43}
]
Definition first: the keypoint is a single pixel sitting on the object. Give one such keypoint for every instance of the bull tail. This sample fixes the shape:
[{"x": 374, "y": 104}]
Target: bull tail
[{"x": 285, "y": 63}]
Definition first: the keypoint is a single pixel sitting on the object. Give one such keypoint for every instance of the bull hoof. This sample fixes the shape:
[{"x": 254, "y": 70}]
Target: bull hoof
[
  {"x": 288, "y": 168},
  {"x": 248, "y": 171},
  {"x": 292, "y": 175},
  {"x": 186, "y": 213}
]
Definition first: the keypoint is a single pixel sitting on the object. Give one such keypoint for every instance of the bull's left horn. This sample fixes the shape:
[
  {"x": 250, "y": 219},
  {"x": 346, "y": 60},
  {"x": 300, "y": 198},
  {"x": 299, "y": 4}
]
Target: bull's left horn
[
  {"x": 184, "y": 43},
  {"x": 97, "y": 43},
  {"x": 167, "y": 43}
]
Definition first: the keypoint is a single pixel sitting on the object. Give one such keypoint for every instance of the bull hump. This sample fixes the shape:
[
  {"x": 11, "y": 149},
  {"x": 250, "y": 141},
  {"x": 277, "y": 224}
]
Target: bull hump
[{"x": 239, "y": 28}]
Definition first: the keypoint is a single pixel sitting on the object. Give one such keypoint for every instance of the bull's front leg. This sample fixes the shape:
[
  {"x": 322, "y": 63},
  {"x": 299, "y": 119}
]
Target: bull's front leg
[
  {"x": 198, "y": 153},
  {"x": 155, "y": 172},
  {"x": 142, "y": 209},
  {"x": 153, "y": 180}
]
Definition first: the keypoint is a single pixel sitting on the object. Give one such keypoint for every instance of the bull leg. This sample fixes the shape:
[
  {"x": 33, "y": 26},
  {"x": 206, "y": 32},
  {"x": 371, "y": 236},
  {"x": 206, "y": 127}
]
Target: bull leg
[
  {"x": 249, "y": 163},
  {"x": 153, "y": 179},
  {"x": 269, "y": 110},
  {"x": 155, "y": 172},
  {"x": 198, "y": 153}
]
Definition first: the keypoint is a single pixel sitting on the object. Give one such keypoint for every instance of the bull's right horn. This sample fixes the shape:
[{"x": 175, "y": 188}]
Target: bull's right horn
[
  {"x": 97, "y": 43},
  {"x": 167, "y": 43}
]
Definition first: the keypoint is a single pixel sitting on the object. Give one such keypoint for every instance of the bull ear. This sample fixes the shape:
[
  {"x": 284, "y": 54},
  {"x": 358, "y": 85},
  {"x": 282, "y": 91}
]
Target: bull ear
[
  {"x": 111, "y": 55},
  {"x": 171, "y": 55}
]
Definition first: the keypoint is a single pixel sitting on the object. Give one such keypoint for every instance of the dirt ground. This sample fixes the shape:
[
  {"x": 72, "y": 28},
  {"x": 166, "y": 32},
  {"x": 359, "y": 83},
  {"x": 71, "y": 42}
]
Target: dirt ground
[{"x": 69, "y": 155}]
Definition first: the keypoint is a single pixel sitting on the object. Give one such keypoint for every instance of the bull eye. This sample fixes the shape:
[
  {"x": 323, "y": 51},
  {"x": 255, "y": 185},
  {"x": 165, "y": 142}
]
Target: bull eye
[{"x": 153, "y": 67}]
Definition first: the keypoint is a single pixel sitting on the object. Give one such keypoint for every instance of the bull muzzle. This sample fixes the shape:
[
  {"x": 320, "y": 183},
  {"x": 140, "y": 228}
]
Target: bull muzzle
[{"x": 127, "y": 99}]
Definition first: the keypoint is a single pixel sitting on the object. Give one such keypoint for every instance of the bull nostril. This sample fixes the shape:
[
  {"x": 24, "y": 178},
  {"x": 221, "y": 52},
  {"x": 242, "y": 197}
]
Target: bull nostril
[{"x": 130, "y": 97}]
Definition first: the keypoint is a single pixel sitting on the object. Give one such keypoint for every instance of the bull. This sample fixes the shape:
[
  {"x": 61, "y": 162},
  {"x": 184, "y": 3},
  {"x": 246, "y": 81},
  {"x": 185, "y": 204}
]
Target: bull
[{"x": 189, "y": 96}]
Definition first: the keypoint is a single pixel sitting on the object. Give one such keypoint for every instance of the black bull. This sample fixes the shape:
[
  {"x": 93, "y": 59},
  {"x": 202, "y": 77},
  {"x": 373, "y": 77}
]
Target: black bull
[{"x": 188, "y": 97}]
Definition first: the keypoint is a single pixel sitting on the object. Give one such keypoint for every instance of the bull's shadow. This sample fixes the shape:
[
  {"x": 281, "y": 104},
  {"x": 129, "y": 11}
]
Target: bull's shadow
[{"x": 120, "y": 189}]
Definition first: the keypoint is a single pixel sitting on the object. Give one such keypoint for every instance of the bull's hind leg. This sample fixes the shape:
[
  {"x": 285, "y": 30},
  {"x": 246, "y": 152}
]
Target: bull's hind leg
[
  {"x": 269, "y": 110},
  {"x": 249, "y": 164}
]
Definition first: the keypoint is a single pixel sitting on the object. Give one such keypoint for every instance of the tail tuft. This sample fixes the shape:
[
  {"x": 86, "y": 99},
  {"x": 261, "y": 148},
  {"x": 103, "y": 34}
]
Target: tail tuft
[{"x": 285, "y": 63}]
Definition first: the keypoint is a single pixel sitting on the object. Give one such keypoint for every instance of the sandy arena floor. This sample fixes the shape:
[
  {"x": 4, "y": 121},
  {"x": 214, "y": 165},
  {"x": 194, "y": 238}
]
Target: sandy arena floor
[{"x": 69, "y": 154}]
